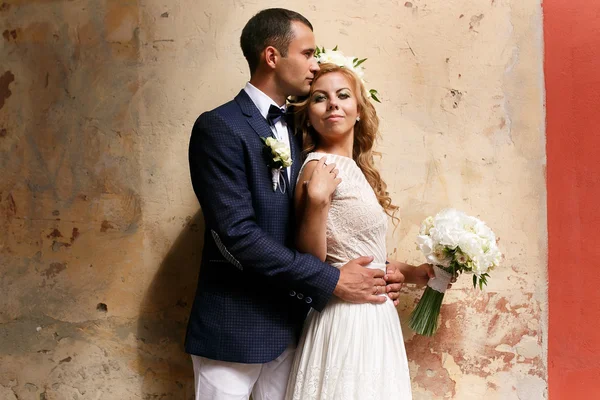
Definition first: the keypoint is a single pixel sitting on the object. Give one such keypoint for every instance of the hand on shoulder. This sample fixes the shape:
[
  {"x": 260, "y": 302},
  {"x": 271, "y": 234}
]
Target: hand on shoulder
[{"x": 322, "y": 181}]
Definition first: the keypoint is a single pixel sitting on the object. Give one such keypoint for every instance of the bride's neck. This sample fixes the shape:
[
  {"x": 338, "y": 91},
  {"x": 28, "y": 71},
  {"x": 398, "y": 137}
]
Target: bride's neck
[{"x": 340, "y": 148}]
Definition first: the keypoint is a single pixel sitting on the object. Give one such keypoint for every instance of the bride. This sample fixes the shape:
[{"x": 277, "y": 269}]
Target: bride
[{"x": 347, "y": 351}]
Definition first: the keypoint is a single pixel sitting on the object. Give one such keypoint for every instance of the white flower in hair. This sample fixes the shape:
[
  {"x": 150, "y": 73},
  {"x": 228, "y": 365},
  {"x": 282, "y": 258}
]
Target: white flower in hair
[{"x": 334, "y": 56}]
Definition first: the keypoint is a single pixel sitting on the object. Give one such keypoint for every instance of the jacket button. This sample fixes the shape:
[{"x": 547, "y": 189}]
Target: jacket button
[
  {"x": 308, "y": 300},
  {"x": 300, "y": 296},
  {"x": 292, "y": 293}
]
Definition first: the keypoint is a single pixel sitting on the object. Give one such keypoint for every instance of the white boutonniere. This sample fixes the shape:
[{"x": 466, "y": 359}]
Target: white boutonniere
[{"x": 278, "y": 156}]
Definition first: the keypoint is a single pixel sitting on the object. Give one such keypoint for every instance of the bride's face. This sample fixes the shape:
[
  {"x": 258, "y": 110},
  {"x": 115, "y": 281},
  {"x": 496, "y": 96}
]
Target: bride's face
[{"x": 333, "y": 106}]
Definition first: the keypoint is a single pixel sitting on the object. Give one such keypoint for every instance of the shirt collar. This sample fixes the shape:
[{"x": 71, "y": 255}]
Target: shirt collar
[{"x": 260, "y": 100}]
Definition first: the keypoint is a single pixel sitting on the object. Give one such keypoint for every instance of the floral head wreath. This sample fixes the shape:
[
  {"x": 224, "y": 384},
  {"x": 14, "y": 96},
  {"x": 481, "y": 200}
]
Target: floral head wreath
[{"x": 334, "y": 56}]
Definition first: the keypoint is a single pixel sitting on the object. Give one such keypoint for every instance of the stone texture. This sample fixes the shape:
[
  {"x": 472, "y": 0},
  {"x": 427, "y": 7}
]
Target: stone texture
[{"x": 100, "y": 230}]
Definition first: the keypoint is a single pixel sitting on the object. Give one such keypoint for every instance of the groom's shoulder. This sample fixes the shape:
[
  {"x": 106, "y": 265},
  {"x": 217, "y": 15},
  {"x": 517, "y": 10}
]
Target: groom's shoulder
[
  {"x": 225, "y": 118},
  {"x": 224, "y": 112},
  {"x": 227, "y": 108},
  {"x": 230, "y": 108}
]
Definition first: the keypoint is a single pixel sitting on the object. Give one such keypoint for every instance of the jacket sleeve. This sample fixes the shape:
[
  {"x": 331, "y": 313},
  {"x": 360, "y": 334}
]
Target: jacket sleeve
[{"x": 218, "y": 172}]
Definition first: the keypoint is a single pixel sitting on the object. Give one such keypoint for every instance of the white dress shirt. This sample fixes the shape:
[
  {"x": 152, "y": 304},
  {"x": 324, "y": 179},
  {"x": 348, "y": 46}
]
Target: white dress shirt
[{"x": 263, "y": 102}]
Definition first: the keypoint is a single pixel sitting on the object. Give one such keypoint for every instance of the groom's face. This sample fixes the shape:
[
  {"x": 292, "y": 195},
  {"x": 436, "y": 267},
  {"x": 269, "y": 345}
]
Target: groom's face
[{"x": 296, "y": 71}]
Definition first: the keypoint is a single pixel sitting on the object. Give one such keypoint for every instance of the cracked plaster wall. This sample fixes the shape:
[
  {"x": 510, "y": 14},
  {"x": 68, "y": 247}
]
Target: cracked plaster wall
[{"x": 100, "y": 233}]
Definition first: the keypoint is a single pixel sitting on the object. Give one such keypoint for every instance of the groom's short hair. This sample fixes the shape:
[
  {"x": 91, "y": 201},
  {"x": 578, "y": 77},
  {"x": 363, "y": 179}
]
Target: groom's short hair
[{"x": 270, "y": 27}]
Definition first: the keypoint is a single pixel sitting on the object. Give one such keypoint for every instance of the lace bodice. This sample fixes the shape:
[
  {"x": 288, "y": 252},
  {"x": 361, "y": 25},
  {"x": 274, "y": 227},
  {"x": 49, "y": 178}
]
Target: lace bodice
[{"x": 356, "y": 223}]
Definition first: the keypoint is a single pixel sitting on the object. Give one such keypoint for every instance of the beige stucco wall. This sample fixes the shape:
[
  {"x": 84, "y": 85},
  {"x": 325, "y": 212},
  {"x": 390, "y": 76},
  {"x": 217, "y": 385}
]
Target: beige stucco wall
[{"x": 100, "y": 233}]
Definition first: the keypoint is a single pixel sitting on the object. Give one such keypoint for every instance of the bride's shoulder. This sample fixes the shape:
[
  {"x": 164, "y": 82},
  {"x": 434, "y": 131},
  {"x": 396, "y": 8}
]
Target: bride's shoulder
[
  {"x": 315, "y": 155},
  {"x": 311, "y": 160}
]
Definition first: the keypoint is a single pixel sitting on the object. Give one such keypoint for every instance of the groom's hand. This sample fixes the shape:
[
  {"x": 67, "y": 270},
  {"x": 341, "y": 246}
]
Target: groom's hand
[
  {"x": 358, "y": 284},
  {"x": 394, "y": 279}
]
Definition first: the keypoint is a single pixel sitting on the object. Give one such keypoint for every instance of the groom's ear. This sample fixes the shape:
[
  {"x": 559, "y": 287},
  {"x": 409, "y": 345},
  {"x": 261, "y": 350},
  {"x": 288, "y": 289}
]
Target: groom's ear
[{"x": 271, "y": 56}]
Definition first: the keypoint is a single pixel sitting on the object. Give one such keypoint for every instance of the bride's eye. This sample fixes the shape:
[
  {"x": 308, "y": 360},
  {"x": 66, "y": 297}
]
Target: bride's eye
[
  {"x": 344, "y": 95},
  {"x": 318, "y": 98}
]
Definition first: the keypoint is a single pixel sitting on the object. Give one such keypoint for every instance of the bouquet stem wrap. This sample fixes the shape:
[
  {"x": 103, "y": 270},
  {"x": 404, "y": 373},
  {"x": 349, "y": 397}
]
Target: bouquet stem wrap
[{"x": 424, "y": 318}]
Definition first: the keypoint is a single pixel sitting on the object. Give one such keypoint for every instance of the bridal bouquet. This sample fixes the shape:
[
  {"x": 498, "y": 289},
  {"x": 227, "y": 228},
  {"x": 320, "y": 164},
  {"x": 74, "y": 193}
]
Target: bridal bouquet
[{"x": 454, "y": 243}]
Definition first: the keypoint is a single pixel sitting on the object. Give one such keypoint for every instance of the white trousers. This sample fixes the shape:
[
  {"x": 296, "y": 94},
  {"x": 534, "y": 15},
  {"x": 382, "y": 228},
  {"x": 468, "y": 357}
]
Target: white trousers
[{"x": 222, "y": 380}]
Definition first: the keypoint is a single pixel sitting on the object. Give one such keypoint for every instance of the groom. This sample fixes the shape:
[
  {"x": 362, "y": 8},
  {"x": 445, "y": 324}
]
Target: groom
[{"x": 254, "y": 289}]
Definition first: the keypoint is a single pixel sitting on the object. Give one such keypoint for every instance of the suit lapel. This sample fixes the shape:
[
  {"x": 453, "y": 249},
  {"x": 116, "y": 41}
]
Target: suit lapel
[
  {"x": 253, "y": 116},
  {"x": 296, "y": 150},
  {"x": 261, "y": 127}
]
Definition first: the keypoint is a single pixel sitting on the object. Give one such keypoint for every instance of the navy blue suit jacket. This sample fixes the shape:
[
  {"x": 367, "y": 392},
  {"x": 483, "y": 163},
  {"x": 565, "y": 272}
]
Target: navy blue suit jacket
[{"x": 254, "y": 290}]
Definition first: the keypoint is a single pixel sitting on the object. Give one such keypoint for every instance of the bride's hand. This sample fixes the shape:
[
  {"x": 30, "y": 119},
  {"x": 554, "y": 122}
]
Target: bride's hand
[
  {"x": 394, "y": 279},
  {"x": 322, "y": 183},
  {"x": 415, "y": 275},
  {"x": 424, "y": 272}
]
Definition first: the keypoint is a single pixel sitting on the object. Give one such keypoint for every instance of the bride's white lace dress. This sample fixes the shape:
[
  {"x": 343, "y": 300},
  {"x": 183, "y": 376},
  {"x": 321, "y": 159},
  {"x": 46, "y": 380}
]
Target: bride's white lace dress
[{"x": 351, "y": 351}]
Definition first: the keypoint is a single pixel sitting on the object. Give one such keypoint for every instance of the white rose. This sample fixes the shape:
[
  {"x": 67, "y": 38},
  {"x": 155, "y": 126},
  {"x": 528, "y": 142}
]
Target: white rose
[
  {"x": 439, "y": 256},
  {"x": 323, "y": 58},
  {"x": 337, "y": 58},
  {"x": 445, "y": 234},
  {"x": 470, "y": 244},
  {"x": 481, "y": 229},
  {"x": 493, "y": 257},
  {"x": 426, "y": 226},
  {"x": 434, "y": 253},
  {"x": 280, "y": 151},
  {"x": 425, "y": 244},
  {"x": 360, "y": 72},
  {"x": 461, "y": 258},
  {"x": 286, "y": 157},
  {"x": 278, "y": 147},
  {"x": 349, "y": 62},
  {"x": 270, "y": 141}
]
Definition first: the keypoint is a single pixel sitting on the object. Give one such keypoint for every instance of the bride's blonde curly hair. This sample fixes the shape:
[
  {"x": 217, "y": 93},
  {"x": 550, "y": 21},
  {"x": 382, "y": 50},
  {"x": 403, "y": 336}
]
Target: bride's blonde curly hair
[{"x": 366, "y": 132}]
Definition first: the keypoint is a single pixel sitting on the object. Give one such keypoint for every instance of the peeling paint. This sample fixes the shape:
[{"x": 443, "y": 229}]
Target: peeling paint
[
  {"x": 106, "y": 226},
  {"x": 475, "y": 21},
  {"x": 55, "y": 269},
  {"x": 5, "y": 80}
]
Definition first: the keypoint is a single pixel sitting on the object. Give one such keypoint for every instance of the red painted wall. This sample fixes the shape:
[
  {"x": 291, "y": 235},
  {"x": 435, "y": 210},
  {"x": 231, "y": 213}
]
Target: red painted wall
[{"x": 572, "y": 70}]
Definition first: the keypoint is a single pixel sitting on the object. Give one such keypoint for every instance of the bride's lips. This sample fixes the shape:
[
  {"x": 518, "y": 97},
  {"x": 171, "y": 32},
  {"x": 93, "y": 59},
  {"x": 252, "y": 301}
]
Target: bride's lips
[{"x": 334, "y": 117}]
